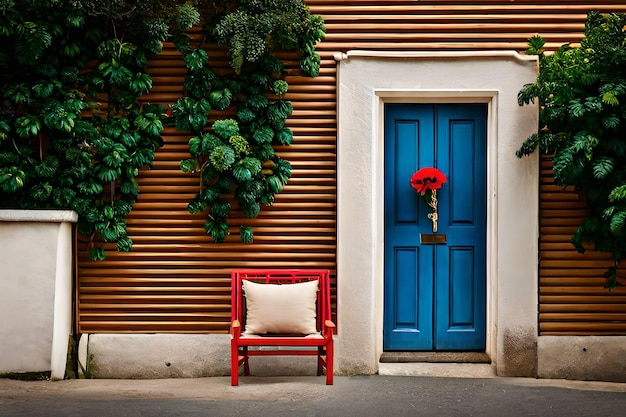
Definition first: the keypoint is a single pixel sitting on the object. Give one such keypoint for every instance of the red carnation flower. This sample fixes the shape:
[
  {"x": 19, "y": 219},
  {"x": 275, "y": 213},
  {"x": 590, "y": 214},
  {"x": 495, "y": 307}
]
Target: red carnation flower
[{"x": 427, "y": 179}]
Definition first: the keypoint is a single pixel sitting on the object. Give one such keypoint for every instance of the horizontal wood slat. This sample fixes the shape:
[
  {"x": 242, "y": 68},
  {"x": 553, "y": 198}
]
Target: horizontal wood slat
[
  {"x": 175, "y": 280},
  {"x": 452, "y": 25},
  {"x": 572, "y": 300}
]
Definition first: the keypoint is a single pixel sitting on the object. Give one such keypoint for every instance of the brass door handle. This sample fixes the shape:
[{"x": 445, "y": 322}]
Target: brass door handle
[{"x": 433, "y": 216}]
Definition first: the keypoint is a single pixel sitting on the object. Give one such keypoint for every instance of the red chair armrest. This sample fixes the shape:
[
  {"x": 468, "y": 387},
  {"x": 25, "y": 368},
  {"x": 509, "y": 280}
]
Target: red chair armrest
[
  {"x": 235, "y": 329},
  {"x": 329, "y": 327}
]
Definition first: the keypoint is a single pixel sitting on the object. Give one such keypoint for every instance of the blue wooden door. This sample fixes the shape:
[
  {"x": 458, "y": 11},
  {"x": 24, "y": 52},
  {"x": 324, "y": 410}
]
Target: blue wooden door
[{"x": 435, "y": 294}]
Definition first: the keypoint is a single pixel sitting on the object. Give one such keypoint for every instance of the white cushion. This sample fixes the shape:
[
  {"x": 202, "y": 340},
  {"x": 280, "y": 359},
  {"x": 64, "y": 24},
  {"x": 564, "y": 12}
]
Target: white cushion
[{"x": 276, "y": 308}]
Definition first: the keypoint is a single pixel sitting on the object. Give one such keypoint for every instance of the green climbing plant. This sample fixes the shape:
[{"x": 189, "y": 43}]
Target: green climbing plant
[
  {"x": 581, "y": 92},
  {"x": 73, "y": 133},
  {"x": 235, "y": 155}
]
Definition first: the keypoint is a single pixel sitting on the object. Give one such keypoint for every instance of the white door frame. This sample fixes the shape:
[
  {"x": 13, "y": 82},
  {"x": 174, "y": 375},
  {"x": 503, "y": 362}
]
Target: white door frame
[{"x": 367, "y": 80}]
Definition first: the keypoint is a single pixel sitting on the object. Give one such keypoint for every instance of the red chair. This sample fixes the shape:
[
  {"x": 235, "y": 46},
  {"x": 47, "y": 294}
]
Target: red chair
[{"x": 281, "y": 308}]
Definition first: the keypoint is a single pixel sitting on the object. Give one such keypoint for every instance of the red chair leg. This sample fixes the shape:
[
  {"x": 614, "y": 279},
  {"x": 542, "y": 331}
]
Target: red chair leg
[
  {"x": 320, "y": 361},
  {"x": 234, "y": 364},
  {"x": 246, "y": 362},
  {"x": 330, "y": 351}
]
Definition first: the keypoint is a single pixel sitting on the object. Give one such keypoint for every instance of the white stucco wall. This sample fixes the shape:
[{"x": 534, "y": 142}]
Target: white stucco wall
[
  {"x": 366, "y": 80},
  {"x": 36, "y": 267}
]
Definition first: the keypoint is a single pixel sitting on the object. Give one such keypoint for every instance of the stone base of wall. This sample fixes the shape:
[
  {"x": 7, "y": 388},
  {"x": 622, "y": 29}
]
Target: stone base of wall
[
  {"x": 586, "y": 358},
  {"x": 154, "y": 356}
]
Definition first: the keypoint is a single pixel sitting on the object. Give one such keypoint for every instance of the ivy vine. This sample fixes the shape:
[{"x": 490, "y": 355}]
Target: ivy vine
[
  {"x": 235, "y": 156},
  {"x": 581, "y": 94},
  {"x": 72, "y": 132}
]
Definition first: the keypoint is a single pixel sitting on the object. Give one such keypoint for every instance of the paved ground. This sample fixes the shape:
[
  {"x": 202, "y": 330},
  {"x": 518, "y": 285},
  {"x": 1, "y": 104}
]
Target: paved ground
[{"x": 362, "y": 396}]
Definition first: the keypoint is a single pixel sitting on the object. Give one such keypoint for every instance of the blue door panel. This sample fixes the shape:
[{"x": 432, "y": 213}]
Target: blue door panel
[
  {"x": 406, "y": 291},
  {"x": 435, "y": 294},
  {"x": 461, "y": 173},
  {"x": 410, "y": 324},
  {"x": 407, "y": 141}
]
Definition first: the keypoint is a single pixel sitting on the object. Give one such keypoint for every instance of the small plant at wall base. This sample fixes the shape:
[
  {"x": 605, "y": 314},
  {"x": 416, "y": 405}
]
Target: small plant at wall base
[
  {"x": 235, "y": 155},
  {"x": 72, "y": 132},
  {"x": 582, "y": 96}
]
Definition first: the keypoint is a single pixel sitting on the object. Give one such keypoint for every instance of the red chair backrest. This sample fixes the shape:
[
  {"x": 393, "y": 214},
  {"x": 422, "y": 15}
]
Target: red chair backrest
[{"x": 281, "y": 276}]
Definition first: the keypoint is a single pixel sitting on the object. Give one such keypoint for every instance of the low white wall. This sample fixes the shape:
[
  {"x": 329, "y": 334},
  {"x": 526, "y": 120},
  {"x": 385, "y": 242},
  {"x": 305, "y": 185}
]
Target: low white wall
[{"x": 35, "y": 290}]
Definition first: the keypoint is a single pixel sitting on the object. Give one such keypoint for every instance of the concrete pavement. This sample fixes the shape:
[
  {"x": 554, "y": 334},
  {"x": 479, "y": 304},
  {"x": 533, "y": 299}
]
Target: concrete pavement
[{"x": 361, "y": 396}]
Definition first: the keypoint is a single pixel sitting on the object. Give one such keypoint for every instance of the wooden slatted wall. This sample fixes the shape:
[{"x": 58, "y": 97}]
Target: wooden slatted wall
[
  {"x": 571, "y": 294},
  {"x": 175, "y": 280}
]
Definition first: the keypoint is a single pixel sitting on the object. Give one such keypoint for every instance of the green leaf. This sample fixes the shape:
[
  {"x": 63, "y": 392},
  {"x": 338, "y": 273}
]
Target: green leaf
[
  {"x": 617, "y": 222},
  {"x": 48, "y": 167},
  {"x": 31, "y": 42},
  {"x": 90, "y": 188},
  {"x": 267, "y": 199},
  {"x": 603, "y": 167},
  {"x": 109, "y": 234},
  {"x": 225, "y": 128},
  {"x": 220, "y": 210},
  {"x": 27, "y": 126},
  {"x": 196, "y": 59},
  {"x": 141, "y": 84},
  {"x": 593, "y": 104},
  {"x": 257, "y": 102},
  {"x": 222, "y": 157},
  {"x": 197, "y": 205},
  {"x": 221, "y": 99},
  {"x": 42, "y": 191},
  {"x": 253, "y": 165},
  {"x": 195, "y": 145},
  {"x": 209, "y": 142},
  {"x": 239, "y": 144},
  {"x": 189, "y": 165},
  {"x": 210, "y": 195},
  {"x": 97, "y": 254},
  {"x": 264, "y": 152},
  {"x": 245, "y": 115},
  {"x": 576, "y": 108},
  {"x": 311, "y": 65},
  {"x": 129, "y": 188},
  {"x": 618, "y": 194},
  {"x": 124, "y": 244},
  {"x": 246, "y": 234},
  {"x": 611, "y": 122},
  {"x": 241, "y": 173},
  {"x": 108, "y": 211},
  {"x": 275, "y": 184},
  {"x": 149, "y": 123},
  {"x": 285, "y": 136},
  {"x": 218, "y": 230},
  {"x": 610, "y": 99},
  {"x": 283, "y": 169},
  {"x": 263, "y": 135},
  {"x": 106, "y": 174},
  {"x": 280, "y": 87}
]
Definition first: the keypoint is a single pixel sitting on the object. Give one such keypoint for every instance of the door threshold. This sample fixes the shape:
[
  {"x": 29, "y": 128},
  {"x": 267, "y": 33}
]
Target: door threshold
[
  {"x": 442, "y": 370},
  {"x": 435, "y": 357}
]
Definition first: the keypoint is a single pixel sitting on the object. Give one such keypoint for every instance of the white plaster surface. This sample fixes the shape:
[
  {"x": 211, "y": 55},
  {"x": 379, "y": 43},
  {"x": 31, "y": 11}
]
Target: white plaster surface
[
  {"x": 50, "y": 216},
  {"x": 365, "y": 82},
  {"x": 35, "y": 290}
]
